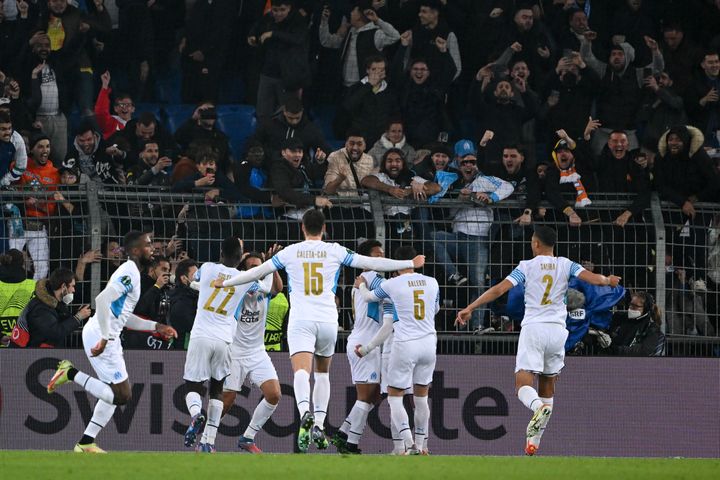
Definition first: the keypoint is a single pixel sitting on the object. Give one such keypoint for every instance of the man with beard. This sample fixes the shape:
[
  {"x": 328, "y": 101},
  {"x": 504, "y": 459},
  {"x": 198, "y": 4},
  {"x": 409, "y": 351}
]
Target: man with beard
[
  {"x": 101, "y": 338},
  {"x": 468, "y": 243},
  {"x": 394, "y": 137},
  {"x": 183, "y": 302},
  {"x": 703, "y": 97},
  {"x": 40, "y": 177},
  {"x": 685, "y": 175},
  {"x": 93, "y": 157},
  {"x": 127, "y": 143},
  {"x": 500, "y": 113},
  {"x": 346, "y": 169},
  {"x": 431, "y": 38},
  {"x": 202, "y": 128},
  {"x": 620, "y": 93},
  {"x": 150, "y": 170}
]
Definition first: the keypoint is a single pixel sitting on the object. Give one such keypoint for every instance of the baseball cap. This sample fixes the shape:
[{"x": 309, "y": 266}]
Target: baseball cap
[
  {"x": 561, "y": 145},
  {"x": 465, "y": 147},
  {"x": 440, "y": 148},
  {"x": 292, "y": 144}
]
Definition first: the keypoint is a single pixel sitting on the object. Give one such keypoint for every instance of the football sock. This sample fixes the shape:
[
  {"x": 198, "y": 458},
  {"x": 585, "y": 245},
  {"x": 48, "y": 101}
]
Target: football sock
[
  {"x": 529, "y": 397},
  {"x": 321, "y": 397},
  {"x": 422, "y": 417},
  {"x": 399, "y": 417},
  {"x": 213, "y": 421},
  {"x": 101, "y": 416},
  {"x": 301, "y": 385},
  {"x": 358, "y": 421},
  {"x": 261, "y": 414},
  {"x": 193, "y": 400},
  {"x": 95, "y": 387},
  {"x": 398, "y": 444}
]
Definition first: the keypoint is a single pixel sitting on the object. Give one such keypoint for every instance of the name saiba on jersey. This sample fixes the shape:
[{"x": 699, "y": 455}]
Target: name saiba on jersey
[
  {"x": 545, "y": 279},
  {"x": 125, "y": 282},
  {"x": 416, "y": 299},
  {"x": 217, "y": 307},
  {"x": 313, "y": 268}
]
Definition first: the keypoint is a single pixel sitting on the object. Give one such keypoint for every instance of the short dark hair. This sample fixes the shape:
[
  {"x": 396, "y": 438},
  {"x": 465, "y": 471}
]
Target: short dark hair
[
  {"x": 60, "y": 277},
  {"x": 12, "y": 258},
  {"x": 313, "y": 220},
  {"x": 354, "y": 132},
  {"x": 710, "y": 53},
  {"x": 405, "y": 252},
  {"x": 374, "y": 59},
  {"x": 514, "y": 146},
  {"x": 231, "y": 250},
  {"x": 545, "y": 235},
  {"x": 147, "y": 119},
  {"x": 84, "y": 127},
  {"x": 367, "y": 246},
  {"x": 122, "y": 95},
  {"x": 293, "y": 105},
  {"x": 157, "y": 260},
  {"x": 277, "y": 3},
  {"x": 618, "y": 131},
  {"x": 5, "y": 116},
  {"x": 131, "y": 239},
  {"x": 253, "y": 254},
  {"x": 394, "y": 121},
  {"x": 183, "y": 268}
]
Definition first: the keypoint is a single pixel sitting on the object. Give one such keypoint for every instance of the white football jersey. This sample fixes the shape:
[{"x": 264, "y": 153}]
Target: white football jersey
[
  {"x": 545, "y": 279},
  {"x": 367, "y": 315},
  {"x": 313, "y": 268},
  {"x": 125, "y": 282},
  {"x": 416, "y": 299},
  {"x": 217, "y": 307},
  {"x": 251, "y": 316}
]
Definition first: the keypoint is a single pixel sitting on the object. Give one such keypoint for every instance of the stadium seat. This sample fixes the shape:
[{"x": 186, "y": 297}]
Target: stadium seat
[
  {"x": 237, "y": 122},
  {"x": 176, "y": 115}
]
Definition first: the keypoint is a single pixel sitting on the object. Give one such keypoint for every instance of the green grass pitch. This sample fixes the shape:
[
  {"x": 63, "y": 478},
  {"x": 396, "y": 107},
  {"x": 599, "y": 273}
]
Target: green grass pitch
[{"x": 174, "y": 466}]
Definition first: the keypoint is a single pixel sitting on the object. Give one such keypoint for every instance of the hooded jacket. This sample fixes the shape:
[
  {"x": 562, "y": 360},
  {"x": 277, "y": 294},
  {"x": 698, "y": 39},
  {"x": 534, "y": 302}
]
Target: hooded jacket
[
  {"x": 691, "y": 173},
  {"x": 272, "y": 133},
  {"x": 47, "y": 320}
]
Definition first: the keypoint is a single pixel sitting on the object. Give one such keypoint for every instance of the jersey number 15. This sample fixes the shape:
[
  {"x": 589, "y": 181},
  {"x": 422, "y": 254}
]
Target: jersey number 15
[{"x": 313, "y": 278}]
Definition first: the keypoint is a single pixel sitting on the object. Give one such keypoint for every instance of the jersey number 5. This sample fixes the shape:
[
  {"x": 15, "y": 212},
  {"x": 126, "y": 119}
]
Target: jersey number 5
[
  {"x": 548, "y": 281},
  {"x": 313, "y": 278},
  {"x": 418, "y": 305},
  {"x": 220, "y": 309}
]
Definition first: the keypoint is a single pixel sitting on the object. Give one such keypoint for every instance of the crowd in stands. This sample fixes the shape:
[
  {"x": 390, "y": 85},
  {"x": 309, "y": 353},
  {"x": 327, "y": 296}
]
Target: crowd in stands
[{"x": 551, "y": 102}]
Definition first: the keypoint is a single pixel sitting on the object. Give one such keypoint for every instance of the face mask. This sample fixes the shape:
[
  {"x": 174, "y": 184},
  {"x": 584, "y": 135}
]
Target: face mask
[
  {"x": 632, "y": 314},
  {"x": 68, "y": 298}
]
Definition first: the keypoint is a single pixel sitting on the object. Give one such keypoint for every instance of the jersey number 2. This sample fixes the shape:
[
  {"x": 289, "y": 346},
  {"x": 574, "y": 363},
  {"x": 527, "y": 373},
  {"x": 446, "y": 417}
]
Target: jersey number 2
[
  {"x": 220, "y": 309},
  {"x": 418, "y": 305},
  {"x": 313, "y": 278},
  {"x": 548, "y": 281}
]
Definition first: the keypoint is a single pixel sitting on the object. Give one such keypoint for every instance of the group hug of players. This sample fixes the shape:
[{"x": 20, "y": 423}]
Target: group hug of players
[{"x": 392, "y": 348}]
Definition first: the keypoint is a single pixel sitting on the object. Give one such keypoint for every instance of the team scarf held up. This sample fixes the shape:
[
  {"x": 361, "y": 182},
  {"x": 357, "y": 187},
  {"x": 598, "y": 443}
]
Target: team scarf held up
[{"x": 570, "y": 175}]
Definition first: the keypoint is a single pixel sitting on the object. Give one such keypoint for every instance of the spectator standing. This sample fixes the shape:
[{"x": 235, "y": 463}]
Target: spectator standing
[
  {"x": 123, "y": 108},
  {"x": 703, "y": 99},
  {"x": 394, "y": 137},
  {"x": 426, "y": 38},
  {"x": 202, "y": 128},
  {"x": 183, "y": 302},
  {"x": 366, "y": 35},
  {"x": 662, "y": 108}
]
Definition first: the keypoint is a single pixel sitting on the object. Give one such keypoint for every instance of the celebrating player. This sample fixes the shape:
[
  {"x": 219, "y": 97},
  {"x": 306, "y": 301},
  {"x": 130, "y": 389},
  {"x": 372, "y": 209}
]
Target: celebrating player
[
  {"x": 541, "y": 347},
  {"x": 248, "y": 355},
  {"x": 416, "y": 299},
  {"x": 208, "y": 355},
  {"x": 101, "y": 340},
  {"x": 313, "y": 268},
  {"x": 366, "y": 371}
]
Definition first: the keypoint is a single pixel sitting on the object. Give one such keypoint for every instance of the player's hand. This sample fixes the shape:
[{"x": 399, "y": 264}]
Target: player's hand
[
  {"x": 98, "y": 348},
  {"x": 462, "y": 317},
  {"x": 418, "y": 261},
  {"x": 360, "y": 351},
  {"x": 218, "y": 283},
  {"x": 613, "y": 280},
  {"x": 360, "y": 280},
  {"x": 166, "y": 331}
]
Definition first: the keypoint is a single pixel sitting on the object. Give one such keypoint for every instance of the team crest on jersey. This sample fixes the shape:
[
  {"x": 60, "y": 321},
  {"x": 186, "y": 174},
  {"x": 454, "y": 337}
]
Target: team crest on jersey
[{"x": 126, "y": 282}]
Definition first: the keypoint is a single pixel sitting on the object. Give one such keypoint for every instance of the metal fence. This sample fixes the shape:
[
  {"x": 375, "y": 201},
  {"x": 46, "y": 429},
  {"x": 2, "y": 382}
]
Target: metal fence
[{"x": 677, "y": 260}]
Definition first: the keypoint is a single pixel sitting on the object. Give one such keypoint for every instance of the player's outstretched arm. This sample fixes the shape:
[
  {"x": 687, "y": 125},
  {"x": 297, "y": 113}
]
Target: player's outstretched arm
[
  {"x": 261, "y": 271},
  {"x": 380, "y": 264},
  {"x": 136, "y": 323},
  {"x": 379, "y": 338},
  {"x": 491, "y": 294},
  {"x": 600, "y": 280}
]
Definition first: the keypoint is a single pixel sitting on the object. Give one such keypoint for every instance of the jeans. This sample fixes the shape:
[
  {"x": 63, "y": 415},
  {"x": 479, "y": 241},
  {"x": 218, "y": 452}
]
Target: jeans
[{"x": 456, "y": 248}]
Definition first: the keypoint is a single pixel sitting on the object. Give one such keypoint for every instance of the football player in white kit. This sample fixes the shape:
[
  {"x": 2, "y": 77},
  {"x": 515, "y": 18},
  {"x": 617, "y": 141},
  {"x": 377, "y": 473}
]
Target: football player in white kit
[
  {"x": 247, "y": 354},
  {"x": 101, "y": 340},
  {"x": 416, "y": 299},
  {"x": 541, "y": 347},
  {"x": 313, "y": 268},
  {"x": 366, "y": 371},
  {"x": 208, "y": 354}
]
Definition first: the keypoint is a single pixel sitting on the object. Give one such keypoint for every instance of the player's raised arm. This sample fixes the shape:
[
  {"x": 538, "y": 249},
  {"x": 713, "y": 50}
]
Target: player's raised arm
[
  {"x": 261, "y": 271},
  {"x": 370, "y": 296},
  {"x": 493, "y": 293},
  {"x": 600, "y": 280},
  {"x": 381, "y": 264}
]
